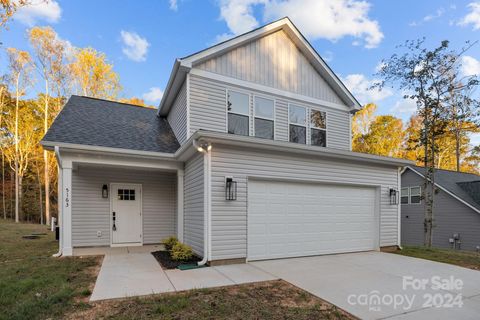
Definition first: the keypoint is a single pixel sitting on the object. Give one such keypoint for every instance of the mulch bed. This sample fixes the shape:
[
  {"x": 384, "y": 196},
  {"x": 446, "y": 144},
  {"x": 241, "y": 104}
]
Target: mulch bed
[{"x": 163, "y": 257}]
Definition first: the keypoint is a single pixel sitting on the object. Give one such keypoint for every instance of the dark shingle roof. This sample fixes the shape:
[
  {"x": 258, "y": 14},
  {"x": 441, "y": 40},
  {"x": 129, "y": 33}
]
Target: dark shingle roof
[
  {"x": 456, "y": 183},
  {"x": 96, "y": 122}
]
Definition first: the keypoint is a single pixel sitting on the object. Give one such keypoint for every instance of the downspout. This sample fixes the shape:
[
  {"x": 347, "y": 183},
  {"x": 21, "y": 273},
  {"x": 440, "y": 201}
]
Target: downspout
[
  {"x": 399, "y": 207},
  {"x": 59, "y": 162},
  {"x": 205, "y": 149}
]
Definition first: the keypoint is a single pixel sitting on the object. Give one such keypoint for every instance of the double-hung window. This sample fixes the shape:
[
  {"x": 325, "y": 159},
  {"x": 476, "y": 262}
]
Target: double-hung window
[
  {"x": 297, "y": 116},
  {"x": 238, "y": 113},
  {"x": 264, "y": 118},
  {"x": 318, "y": 128},
  {"x": 404, "y": 196},
  {"x": 415, "y": 195}
]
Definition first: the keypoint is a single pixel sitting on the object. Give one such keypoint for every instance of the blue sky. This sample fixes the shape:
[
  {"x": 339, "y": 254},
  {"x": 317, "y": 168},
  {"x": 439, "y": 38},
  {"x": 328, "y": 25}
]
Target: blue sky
[{"x": 142, "y": 38}]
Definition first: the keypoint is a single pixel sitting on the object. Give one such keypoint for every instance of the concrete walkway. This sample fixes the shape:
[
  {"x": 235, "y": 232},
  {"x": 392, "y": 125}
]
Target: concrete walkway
[
  {"x": 353, "y": 281},
  {"x": 133, "y": 271}
]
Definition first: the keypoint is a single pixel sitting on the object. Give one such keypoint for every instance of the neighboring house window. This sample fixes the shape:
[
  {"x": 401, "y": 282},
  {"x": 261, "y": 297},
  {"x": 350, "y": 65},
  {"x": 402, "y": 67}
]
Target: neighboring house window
[
  {"x": 298, "y": 119},
  {"x": 264, "y": 123},
  {"x": 238, "y": 115},
  {"x": 404, "y": 196},
  {"x": 415, "y": 195},
  {"x": 318, "y": 128}
]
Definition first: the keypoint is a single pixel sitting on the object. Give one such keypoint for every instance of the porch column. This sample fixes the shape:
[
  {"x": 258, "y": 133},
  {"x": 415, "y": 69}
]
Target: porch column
[
  {"x": 180, "y": 176},
  {"x": 60, "y": 207},
  {"x": 67, "y": 208}
]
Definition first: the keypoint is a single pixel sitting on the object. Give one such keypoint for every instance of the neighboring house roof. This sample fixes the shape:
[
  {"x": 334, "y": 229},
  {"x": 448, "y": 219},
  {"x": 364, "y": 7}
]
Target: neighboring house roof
[
  {"x": 459, "y": 184},
  {"x": 96, "y": 122},
  {"x": 183, "y": 65}
]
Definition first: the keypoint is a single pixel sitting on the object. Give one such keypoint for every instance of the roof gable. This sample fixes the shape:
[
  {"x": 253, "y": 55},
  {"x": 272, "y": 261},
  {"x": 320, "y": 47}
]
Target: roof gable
[{"x": 183, "y": 65}]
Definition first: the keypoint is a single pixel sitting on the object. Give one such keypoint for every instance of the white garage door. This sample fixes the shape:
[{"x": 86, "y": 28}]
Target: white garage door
[{"x": 289, "y": 219}]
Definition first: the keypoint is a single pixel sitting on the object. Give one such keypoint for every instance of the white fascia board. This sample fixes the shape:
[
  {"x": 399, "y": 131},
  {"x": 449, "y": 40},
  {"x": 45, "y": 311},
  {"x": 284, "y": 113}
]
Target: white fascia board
[
  {"x": 288, "y": 147},
  {"x": 266, "y": 89},
  {"x": 446, "y": 191},
  {"x": 50, "y": 145}
]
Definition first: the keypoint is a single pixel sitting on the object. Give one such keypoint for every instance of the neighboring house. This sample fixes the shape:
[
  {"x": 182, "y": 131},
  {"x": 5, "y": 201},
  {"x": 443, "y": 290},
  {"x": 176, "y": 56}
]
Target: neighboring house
[
  {"x": 456, "y": 209},
  {"x": 249, "y": 158}
]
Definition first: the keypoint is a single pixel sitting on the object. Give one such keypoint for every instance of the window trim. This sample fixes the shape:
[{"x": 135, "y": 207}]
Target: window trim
[
  {"x": 241, "y": 114},
  {"x": 410, "y": 195},
  {"x": 264, "y": 118},
  {"x": 308, "y": 126}
]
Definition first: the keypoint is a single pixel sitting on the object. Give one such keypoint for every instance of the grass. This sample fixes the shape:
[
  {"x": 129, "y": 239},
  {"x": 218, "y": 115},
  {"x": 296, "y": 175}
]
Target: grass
[
  {"x": 33, "y": 284},
  {"x": 265, "y": 300},
  {"x": 467, "y": 259}
]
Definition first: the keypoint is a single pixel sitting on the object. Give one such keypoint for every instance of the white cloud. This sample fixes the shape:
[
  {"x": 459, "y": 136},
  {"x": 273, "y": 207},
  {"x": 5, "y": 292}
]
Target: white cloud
[
  {"x": 135, "y": 47},
  {"x": 407, "y": 106},
  {"x": 473, "y": 17},
  {"x": 429, "y": 17},
  {"x": 173, "y": 5},
  {"x": 328, "y": 19},
  {"x": 36, "y": 10},
  {"x": 360, "y": 86},
  {"x": 155, "y": 94},
  {"x": 470, "y": 66}
]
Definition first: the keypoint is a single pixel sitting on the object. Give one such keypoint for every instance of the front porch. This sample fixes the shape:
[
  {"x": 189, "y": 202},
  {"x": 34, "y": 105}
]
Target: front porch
[{"x": 111, "y": 200}]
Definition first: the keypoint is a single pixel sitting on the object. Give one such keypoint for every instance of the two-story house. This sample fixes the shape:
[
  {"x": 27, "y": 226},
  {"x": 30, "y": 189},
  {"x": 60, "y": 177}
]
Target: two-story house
[{"x": 248, "y": 157}]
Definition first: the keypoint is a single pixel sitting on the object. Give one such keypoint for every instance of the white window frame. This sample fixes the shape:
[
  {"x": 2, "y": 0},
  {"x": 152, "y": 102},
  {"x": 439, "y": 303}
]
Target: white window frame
[
  {"x": 290, "y": 104},
  {"x": 410, "y": 195},
  {"x": 264, "y": 118},
  {"x": 310, "y": 126},
  {"x": 241, "y": 114}
]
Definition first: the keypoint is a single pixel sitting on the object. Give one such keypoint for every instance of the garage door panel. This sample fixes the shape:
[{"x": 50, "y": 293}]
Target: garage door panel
[{"x": 299, "y": 219}]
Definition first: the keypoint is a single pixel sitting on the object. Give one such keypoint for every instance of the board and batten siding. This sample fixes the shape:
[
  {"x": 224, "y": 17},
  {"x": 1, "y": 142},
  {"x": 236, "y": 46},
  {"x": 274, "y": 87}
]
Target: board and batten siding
[
  {"x": 177, "y": 118},
  {"x": 91, "y": 212},
  {"x": 274, "y": 61},
  {"x": 229, "y": 218},
  {"x": 194, "y": 203},
  {"x": 451, "y": 216},
  {"x": 208, "y": 100}
]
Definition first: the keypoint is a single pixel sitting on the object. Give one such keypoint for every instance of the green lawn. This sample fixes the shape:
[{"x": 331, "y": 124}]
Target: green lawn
[
  {"x": 465, "y": 259},
  {"x": 34, "y": 285}
]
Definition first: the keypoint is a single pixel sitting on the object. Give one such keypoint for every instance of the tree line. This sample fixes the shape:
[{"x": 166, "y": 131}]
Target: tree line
[{"x": 29, "y": 174}]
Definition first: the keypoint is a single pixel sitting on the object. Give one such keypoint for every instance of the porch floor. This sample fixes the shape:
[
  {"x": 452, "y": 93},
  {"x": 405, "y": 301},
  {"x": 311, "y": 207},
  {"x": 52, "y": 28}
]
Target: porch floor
[{"x": 133, "y": 271}]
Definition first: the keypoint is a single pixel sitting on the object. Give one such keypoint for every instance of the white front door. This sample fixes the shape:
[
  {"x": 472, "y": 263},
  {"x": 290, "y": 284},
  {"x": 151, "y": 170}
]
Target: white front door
[
  {"x": 293, "y": 219},
  {"x": 126, "y": 217}
]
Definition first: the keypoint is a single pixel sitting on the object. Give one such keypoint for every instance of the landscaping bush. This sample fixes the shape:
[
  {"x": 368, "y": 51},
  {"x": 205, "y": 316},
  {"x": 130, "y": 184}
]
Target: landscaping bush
[
  {"x": 170, "y": 242},
  {"x": 181, "y": 252}
]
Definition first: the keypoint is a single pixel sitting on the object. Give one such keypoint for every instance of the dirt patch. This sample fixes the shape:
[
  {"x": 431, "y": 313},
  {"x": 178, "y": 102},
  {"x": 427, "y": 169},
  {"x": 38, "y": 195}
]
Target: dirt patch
[
  {"x": 166, "y": 262},
  {"x": 264, "y": 300}
]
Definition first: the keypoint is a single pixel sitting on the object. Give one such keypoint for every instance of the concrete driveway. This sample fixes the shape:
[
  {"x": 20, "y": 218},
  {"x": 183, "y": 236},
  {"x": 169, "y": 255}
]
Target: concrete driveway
[{"x": 375, "y": 285}]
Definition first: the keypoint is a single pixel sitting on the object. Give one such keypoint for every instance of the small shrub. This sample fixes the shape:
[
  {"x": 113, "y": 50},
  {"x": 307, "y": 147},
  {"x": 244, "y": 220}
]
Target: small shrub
[
  {"x": 181, "y": 252},
  {"x": 169, "y": 243}
]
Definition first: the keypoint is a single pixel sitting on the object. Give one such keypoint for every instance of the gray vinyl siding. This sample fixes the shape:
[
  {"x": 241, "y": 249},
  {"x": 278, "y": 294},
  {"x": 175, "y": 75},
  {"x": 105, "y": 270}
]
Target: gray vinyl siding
[
  {"x": 229, "y": 218},
  {"x": 194, "y": 203},
  {"x": 273, "y": 61},
  {"x": 208, "y": 112},
  {"x": 450, "y": 216},
  {"x": 91, "y": 212},
  {"x": 177, "y": 118}
]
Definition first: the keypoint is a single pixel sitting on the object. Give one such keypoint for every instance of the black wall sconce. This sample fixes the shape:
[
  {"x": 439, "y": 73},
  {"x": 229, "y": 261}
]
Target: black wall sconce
[
  {"x": 105, "y": 191},
  {"x": 230, "y": 189},
  {"x": 393, "y": 196}
]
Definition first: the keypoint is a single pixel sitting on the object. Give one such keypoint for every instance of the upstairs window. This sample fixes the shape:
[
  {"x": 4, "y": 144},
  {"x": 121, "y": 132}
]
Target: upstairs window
[
  {"x": 404, "y": 196},
  {"x": 264, "y": 118},
  {"x": 318, "y": 128},
  {"x": 415, "y": 195},
  {"x": 297, "y": 116},
  {"x": 238, "y": 115}
]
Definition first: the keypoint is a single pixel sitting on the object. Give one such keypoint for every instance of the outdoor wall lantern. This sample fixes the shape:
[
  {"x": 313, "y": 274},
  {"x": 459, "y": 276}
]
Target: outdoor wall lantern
[
  {"x": 393, "y": 196},
  {"x": 105, "y": 191},
  {"x": 230, "y": 189}
]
